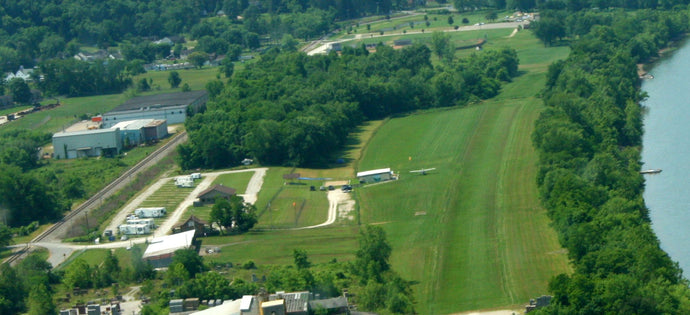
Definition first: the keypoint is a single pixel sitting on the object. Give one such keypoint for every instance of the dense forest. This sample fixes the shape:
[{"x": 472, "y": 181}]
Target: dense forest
[
  {"x": 589, "y": 141},
  {"x": 289, "y": 108}
]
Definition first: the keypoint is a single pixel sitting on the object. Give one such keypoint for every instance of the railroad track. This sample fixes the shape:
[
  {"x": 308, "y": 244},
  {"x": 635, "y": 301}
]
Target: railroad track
[{"x": 107, "y": 191}]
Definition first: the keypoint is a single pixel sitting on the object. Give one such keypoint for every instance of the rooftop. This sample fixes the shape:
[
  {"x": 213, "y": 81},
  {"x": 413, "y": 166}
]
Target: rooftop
[
  {"x": 133, "y": 124},
  {"x": 374, "y": 172},
  {"x": 220, "y": 188},
  {"x": 169, "y": 243},
  {"x": 160, "y": 100},
  {"x": 82, "y": 132}
]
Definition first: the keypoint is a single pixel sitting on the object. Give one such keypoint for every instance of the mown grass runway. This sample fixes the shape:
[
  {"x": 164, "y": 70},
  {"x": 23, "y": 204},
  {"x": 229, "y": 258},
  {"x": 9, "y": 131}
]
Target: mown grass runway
[{"x": 472, "y": 233}]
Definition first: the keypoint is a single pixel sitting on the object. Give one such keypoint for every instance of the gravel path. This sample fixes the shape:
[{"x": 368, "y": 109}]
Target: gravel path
[{"x": 340, "y": 205}]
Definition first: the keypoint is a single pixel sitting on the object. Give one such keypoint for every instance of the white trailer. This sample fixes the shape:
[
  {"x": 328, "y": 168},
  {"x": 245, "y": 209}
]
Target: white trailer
[
  {"x": 184, "y": 181},
  {"x": 156, "y": 212},
  {"x": 134, "y": 229},
  {"x": 195, "y": 175},
  {"x": 148, "y": 222}
]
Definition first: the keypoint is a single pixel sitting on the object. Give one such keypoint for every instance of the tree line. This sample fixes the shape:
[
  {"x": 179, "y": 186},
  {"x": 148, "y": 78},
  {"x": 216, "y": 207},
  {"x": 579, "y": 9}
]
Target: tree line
[
  {"x": 292, "y": 109},
  {"x": 589, "y": 142}
]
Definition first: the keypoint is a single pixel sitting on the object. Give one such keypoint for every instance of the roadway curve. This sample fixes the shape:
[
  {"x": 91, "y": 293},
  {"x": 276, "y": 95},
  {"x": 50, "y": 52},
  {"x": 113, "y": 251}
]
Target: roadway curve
[{"x": 323, "y": 47}]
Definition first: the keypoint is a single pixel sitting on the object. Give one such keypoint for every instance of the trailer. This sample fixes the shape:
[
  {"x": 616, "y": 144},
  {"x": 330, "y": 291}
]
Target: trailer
[
  {"x": 134, "y": 229},
  {"x": 184, "y": 181},
  {"x": 149, "y": 222},
  {"x": 195, "y": 175},
  {"x": 156, "y": 212}
]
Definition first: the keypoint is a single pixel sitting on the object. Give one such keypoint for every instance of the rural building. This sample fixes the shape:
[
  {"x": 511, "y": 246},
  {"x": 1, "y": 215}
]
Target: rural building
[
  {"x": 184, "y": 181},
  {"x": 135, "y": 132},
  {"x": 87, "y": 143},
  {"x": 134, "y": 229},
  {"x": 172, "y": 107},
  {"x": 199, "y": 226},
  {"x": 153, "y": 212},
  {"x": 162, "y": 249},
  {"x": 375, "y": 176},
  {"x": 217, "y": 191}
]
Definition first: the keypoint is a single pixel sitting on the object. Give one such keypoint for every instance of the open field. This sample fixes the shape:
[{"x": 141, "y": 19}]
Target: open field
[{"x": 13, "y": 110}]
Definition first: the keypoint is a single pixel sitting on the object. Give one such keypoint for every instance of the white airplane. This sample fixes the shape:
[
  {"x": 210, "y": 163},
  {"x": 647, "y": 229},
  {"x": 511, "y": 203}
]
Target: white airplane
[{"x": 423, "y": 171}]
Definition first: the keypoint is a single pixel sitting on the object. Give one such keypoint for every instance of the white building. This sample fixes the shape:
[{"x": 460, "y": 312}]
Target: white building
[
  {"x": 87, "y": 143},
  {"x": 155, "y": 212},
  {"x": 375, "y": 176},
  {"x": 172, "y": 107},
  {"x": 161, "y": 249}
]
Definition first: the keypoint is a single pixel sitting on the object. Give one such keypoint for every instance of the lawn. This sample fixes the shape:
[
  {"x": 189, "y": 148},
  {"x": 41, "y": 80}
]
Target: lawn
[
  {"x": 13, "y": 110},
  {"x": 238, "y": 181}
]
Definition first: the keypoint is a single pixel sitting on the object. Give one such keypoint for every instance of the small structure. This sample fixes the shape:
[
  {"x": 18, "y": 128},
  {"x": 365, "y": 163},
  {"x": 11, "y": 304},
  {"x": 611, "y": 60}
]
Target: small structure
[
  {"x": 162, "y": 249},
  {"x": 87, "y": 143},
  {"x": 134, "y": 229},
  {"x": 276, "y": 307},
  {"x": 375, "y": 176},
  {"x": 199, "y": 226},
  {"x": 217, "y": 191},
  {"x": 155, "y": 212},
  {"x": 247, "y": 162},
  {"x": 195, "y": 175}
]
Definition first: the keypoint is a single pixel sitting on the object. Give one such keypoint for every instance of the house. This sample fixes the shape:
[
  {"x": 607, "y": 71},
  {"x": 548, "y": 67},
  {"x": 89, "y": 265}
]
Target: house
[
  {"x": 375, "y": 176},
  {"x": 24, "y": 74},
  {"x": 162, "y": 249},
  {"x": 199, "y": 226},
  {"x": 217, "y": 191}
]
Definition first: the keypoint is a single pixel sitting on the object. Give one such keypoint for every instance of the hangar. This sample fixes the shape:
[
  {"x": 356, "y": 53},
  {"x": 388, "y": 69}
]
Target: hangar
[
  {"x": 375, "y": 176},
  {"x": 173, "y": 107}
]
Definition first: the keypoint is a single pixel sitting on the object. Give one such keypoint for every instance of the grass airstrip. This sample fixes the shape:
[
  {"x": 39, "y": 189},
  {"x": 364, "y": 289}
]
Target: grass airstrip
[{"x": 470, "y": 235}]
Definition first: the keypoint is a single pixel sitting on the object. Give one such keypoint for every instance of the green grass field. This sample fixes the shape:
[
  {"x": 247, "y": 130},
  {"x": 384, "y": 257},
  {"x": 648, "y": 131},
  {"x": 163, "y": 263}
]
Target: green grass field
[{"x": 13, "y": 110}]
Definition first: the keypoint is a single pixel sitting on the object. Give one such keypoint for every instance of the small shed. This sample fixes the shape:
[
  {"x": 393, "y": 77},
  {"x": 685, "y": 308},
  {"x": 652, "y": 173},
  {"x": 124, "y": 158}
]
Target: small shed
[
  {"x": 217, "y": 191},
  {"x": 336, "y": 305},
  {"x": 199, "y": 226},
  {"x": 156, "y": 212},
  {"x": 375, "y": 176}
]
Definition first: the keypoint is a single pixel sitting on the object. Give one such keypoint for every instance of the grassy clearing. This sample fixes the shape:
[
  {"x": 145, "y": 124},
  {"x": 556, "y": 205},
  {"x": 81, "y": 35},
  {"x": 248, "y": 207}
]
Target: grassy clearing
[
  {"x": 271, "y": 247},
  {"x": 238, "y": 181},
  {"x": 295, "y": 206}
]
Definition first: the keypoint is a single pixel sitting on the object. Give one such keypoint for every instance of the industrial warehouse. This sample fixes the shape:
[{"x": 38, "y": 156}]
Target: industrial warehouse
[{"x": 172, "y": 107}]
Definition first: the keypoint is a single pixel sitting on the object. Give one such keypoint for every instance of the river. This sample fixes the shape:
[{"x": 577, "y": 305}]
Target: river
[{"x": 666, "y": 146}]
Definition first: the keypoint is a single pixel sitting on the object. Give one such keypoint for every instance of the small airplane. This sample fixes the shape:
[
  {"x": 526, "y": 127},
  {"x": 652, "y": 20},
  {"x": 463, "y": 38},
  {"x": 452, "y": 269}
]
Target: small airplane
[{"x": 423, "y": 171}]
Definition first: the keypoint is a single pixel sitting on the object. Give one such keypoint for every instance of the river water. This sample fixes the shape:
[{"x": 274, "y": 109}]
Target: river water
[{"x": 666, "y": 146}]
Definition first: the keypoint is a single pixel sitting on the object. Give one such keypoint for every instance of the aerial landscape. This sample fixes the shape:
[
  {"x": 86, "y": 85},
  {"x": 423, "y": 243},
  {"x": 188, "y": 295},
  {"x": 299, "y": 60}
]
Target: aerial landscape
[{"x": 335, "y": 157}]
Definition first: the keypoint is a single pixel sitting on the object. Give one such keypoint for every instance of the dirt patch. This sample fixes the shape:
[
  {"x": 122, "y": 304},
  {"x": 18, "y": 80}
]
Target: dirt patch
[{"x": 336, "y": 183}]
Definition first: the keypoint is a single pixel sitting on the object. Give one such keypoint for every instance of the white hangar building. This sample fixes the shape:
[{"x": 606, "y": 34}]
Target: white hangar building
[{"x": 172, "y": 107}]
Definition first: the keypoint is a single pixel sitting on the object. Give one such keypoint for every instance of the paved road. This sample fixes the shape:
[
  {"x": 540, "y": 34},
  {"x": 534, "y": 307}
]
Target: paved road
[{"x": 323, "y": 48}]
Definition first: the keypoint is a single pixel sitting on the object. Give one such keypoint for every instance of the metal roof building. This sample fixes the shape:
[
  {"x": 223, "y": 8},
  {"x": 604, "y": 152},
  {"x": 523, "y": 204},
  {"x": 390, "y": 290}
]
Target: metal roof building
[
  {"x": 172, "y": 107},
  {"x": 374, "y": 176},
  {"x": 87, "y": 143},
  {"x": 161, "y": 249}
]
